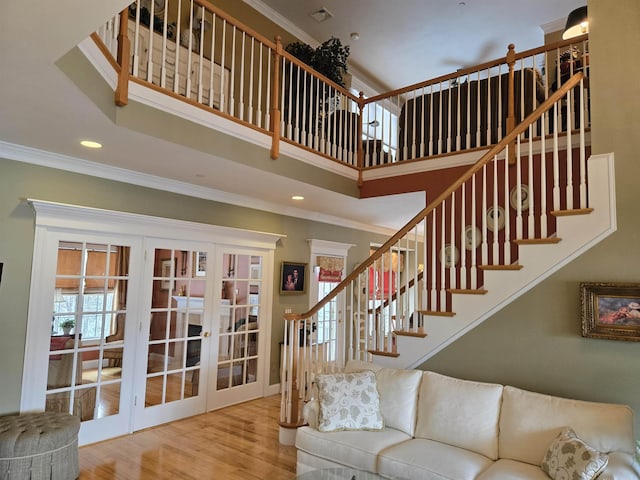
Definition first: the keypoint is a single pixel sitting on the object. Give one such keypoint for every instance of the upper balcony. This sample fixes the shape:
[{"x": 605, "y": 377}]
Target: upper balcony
[{"x": 199, "y": 55}]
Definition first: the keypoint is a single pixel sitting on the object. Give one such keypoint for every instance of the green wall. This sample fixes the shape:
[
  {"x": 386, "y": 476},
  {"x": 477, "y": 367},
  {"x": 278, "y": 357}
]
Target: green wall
[
  {"x": 19, "y": 181},
  {"x": 535, "y": 343}
]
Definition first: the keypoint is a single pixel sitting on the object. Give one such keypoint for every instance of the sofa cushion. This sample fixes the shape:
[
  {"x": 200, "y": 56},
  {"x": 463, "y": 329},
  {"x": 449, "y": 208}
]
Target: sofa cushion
[
  {"x": 398, "y": 389},
  {"x": 426, "y": 459},
  {"x": 361, "y": 366},
  {"x": 570, "y": 457},
  {"x": 348, "y": 401},
  {"x": 530, "y": 421},
  {"x": 461, "y": 413},
  {"x": 357, "y": 449},
  {"x": 512, "y": 470}
]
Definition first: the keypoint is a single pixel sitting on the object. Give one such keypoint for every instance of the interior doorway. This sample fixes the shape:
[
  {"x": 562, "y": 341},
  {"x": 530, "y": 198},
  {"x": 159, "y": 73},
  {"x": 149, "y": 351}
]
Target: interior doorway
[{"x": 129, "y": 328}]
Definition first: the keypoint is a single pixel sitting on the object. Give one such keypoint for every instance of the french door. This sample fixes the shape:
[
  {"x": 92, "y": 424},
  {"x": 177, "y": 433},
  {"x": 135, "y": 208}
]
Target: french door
[
  {"x": 239, "y": 354},
  {"x": 129, "y": 328},
  {"x": 174, "y": 343},
  {"x": 86, "y": 282}
]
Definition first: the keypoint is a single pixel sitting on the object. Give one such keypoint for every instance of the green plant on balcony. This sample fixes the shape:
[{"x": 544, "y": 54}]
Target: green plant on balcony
[{"x": 329, "y": 59}]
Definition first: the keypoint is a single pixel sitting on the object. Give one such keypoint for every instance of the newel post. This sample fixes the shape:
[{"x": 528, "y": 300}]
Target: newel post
[
  {"x": 511, "y": 114},
  {"x": 291, "y": 401},
  {"x": 275, "y": 100},
  {"x": 124, "y": 54}
]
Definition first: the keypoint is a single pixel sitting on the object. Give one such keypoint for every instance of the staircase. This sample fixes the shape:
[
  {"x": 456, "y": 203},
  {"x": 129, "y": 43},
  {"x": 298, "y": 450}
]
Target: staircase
[{"x": 523, "y": 211}]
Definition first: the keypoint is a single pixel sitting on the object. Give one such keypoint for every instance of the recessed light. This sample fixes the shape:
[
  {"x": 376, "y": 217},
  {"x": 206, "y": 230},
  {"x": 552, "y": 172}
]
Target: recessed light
[
  {"x": 90, "y": 144},
  {"x": 297, "y": 197}
]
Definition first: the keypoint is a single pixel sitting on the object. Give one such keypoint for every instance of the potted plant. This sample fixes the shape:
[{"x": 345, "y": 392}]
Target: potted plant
[
  {"x": 330, "y": 60},
  {"x": 67, "y": 325}
]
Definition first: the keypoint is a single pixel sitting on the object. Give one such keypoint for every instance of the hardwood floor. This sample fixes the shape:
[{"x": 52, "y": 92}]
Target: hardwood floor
[{"x": 233, "y": 443}]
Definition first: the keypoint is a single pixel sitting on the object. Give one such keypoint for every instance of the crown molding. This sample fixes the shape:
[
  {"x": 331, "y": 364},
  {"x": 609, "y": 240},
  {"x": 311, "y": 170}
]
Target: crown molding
[{"x": 67, "y": 163}]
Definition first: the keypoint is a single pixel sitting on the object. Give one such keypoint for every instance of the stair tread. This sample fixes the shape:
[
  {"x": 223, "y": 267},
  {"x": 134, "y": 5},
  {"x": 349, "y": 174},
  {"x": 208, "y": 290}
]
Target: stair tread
[
  {"x": 537, "y": 241},
  {"x": 383, "y": 353},
  {"x": 436, "y": 313},
  {"x": 574, "y": 211},
  {"x": 514, "y": 266},
  {"x": 467, "y": 291},
  {"x": 406, "y": 333}
]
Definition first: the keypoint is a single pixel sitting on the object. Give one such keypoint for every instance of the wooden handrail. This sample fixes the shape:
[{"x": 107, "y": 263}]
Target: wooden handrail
[
  {"x": 509, "y": 138},
  {"x": 303, "y": 66},
  {"x": 234, "y": 21},
  {"x": 483, "y": 66}
]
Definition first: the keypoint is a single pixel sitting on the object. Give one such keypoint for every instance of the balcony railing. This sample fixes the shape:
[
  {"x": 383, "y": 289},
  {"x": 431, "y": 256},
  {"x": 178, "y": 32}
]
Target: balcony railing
[{"x": 193, "y": 51}]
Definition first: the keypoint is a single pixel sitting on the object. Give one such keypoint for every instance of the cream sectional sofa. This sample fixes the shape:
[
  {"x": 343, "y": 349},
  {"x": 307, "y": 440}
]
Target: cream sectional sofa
[{"x": 439, "y": 427}]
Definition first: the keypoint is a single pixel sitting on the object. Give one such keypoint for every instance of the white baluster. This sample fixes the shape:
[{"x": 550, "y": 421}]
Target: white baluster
[
  {"x": 453, "y": 283},
  {"x": 433, "y": 287},
  {"x": 463, "y": 250},
  {"x": 507, "y": 217},
  {"x": 556, "y": 160},
  {"x": 484, "y": 251},
  {"x": 474, "y": 249},
  {"x": 443, "y": 286},
  {"x": 496, "y": 214},
  {"x": 543, "y": 181},
  {"x": 583, "y": 160},
  {"x": 532, "y": 190},
  {"x": 519, "y": 225}
]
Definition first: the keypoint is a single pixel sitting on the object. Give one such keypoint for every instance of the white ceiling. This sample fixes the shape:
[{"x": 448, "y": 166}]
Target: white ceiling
[
  {"x": 407, "y": 41},
  {"x": 401, "y": 42}
]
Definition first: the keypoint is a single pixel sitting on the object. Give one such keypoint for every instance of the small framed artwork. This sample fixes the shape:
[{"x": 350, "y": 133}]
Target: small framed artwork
[
  {"x": 199, "y": 264},
  {"x": 293, "y": 278},
  {"x": 611, "y": 310}
]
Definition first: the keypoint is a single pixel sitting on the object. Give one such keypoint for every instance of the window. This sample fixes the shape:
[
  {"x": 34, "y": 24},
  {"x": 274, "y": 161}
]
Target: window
[
  {"x": 66, "y": 308},
  {"x": 91, "y": 284}
]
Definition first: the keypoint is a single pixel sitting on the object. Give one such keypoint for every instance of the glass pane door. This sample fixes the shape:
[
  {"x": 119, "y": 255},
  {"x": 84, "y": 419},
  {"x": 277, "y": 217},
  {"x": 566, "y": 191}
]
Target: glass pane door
[
  {"x": 174, "y": 335},
  {"x": 239, "y": 367},
  {"x": 86, "y": 345}
]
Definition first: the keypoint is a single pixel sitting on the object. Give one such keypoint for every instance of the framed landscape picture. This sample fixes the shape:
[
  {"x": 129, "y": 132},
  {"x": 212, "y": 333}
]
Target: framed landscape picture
[
  {"x": 293, "y": 278},
  {"x": 611, "y": 310}
]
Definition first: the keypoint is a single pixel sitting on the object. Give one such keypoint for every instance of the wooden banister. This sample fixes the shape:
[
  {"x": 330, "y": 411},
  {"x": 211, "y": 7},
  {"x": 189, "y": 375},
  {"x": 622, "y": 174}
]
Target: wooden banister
[{"x": 499, "y": 147}]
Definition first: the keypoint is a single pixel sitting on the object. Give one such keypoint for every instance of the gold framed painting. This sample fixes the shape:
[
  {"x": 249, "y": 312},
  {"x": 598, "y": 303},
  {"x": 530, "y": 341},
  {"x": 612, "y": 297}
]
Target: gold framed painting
[{"x": 611, "y": 310}]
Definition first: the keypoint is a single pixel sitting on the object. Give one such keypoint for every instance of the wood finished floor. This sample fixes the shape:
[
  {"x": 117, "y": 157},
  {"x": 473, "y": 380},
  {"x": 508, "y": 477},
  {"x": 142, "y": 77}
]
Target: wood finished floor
[{"x": 233, "y": 443}]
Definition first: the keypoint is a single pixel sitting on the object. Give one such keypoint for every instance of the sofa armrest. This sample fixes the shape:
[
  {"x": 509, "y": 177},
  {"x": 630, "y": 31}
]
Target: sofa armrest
[{"x": 310, "y": 413}]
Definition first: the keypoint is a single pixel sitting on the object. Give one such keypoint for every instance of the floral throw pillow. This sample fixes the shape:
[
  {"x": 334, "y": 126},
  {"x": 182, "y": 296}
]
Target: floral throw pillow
[
  {"x": 569, "y": 458},
  {"x": 348, "y": 401}
]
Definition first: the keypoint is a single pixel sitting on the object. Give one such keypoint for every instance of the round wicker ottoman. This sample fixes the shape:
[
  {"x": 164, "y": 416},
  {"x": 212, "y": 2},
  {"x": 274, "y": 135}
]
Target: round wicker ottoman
[{"x": 39, "y": 446}]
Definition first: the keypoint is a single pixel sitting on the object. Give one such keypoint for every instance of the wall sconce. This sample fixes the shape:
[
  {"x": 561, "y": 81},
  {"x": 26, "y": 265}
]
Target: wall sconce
[{"x": 577, "y": 23}]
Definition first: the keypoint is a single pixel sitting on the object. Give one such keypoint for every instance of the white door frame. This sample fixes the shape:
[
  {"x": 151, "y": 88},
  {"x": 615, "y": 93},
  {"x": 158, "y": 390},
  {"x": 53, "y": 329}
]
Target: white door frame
[{"x": 65, "y": 218}]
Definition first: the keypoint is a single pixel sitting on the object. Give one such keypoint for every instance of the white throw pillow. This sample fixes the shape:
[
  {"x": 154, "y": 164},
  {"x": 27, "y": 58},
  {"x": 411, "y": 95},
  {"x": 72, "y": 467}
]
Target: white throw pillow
[
  {"x": 348, "y": 401},
  {"x": 570, "y": 458}
]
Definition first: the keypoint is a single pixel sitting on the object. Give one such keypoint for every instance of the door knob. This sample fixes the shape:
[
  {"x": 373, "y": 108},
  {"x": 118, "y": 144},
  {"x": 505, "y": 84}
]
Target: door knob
[{"x": 206, "y": 334}]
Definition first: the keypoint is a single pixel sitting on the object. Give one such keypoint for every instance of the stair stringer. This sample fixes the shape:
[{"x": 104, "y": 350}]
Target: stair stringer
[{"x": 578, "y": 233}]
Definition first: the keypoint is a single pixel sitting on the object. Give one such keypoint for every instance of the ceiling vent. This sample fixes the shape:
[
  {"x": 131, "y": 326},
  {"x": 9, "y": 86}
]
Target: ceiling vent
[{"x": 321, "y": 15}]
